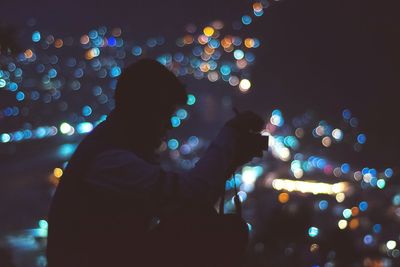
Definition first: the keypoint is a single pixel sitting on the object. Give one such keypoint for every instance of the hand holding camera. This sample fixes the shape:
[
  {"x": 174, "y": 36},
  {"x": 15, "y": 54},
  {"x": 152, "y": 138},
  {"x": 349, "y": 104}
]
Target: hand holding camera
[{"x": 250, "y": 142}]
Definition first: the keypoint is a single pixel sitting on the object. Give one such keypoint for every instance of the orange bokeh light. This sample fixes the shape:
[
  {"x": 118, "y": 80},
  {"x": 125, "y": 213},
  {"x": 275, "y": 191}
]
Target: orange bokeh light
[
  {"x": 188, "y": 39},
  {"x": 249, "y": 42},
  {"x": 257, "y": 6},
  {"x": 84, "y": 39},
  {"x": 58, "y": 43},
  {"x": 283, "y": 197},
  {"x": 354, "y": 211},
  {"x": 354, "y": 223},
  {"x": 28, "y": 53}
]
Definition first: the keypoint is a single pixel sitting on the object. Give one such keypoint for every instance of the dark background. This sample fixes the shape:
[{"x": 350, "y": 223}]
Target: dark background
[{"x": 315, "y": 55}]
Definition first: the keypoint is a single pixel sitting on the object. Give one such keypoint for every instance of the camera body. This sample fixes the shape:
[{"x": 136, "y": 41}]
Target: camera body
[
  {"x": 265, "y": 141},
  {"x": 261, "y": 141}
]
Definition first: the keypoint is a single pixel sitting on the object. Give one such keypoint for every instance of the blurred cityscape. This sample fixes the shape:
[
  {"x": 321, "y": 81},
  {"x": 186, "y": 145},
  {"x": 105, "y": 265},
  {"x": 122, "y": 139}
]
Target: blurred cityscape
[{"x": 312, "y": 200}]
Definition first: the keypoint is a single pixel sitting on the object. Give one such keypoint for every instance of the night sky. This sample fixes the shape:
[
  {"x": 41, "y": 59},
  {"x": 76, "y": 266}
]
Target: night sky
[{"x": 316, "y": 55}]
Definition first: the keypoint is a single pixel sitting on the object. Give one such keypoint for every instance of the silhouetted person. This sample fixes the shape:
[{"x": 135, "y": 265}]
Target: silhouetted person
[{"x": 113, "y": 192}]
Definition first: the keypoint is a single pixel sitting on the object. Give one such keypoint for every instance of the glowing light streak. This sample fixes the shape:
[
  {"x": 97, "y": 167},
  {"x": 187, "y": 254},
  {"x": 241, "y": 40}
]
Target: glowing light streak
[{"x": 310, "y": 187}]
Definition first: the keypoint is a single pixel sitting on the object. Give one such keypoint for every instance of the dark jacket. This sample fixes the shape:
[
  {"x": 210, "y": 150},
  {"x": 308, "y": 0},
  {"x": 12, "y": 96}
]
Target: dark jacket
[{"x": 109, "y": 201}]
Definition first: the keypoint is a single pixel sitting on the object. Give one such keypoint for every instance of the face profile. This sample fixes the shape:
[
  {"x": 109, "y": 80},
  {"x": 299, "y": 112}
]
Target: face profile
[{"x": 146, "y": 97}]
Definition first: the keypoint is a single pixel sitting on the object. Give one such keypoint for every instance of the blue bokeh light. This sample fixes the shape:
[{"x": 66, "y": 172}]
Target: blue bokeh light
[
  {"x": 86, "y": 111},
  {"x": 111, "y": 41},
  {"x": 52, "y": 73},
  {"x": 40, "y": 132},
  {"x": 225, "y": 70},
  {"x": 347, "y": 213},
  {"x": 175, "y": 121},
  {"x": 346, "y": 114},
  {"x": 353, "y": 122},
  {"x": 181, "y": 114},
  {"x": 5, "y": 138},
  {"x": 377, "y": 228},
  {"x": 363, "y": 206},
  {"x": 323, "y": 205},
  {"x": 115, "y": 71},
  {"x": 388, "y": 172},
  {"x": 20, "y": 96},
  {"x": 313, "y": 231},
  {"x": 258, "y": 13},
  {"x": 238, "y": 54},
  {"x": 345, "y": 168},
  {"x": 136, "y": 50},
  {"x": 368, "y": 239},
  {"x": 191, "y": 99},
  {"x": 250, "y": 57},
  {"x": 246, "y": 19},
  {"x": 361, "y": 138},
  {"x": 36, "y": 36},
  {"x": 173, "y": 144},
  {"x": 2, "y": 83},
  {"x": 381, "y": 183},
  {"x": 193, "y": 141},
  {"x": 18, "y": 136},
  {"x": 84, "y": 127},
  {"x": 66, "y": 150},
  {"x": 396, "y": 200},
  {"x": 12, "y": 86}
]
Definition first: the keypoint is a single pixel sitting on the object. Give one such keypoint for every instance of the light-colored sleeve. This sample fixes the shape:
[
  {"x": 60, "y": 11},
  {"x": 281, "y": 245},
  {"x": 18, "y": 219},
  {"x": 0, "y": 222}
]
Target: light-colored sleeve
[{"x": 122, "y": 172}]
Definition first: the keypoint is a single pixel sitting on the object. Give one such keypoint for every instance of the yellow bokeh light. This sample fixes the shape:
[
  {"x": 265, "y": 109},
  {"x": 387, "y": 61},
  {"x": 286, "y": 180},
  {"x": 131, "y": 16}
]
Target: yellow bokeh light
[
  {"x": 298, "y": 173},
  {"x": 342, "y": 224},
  {"x": 58, "y": 172},
  {"x": 283, "y": 197},
  {"x": 340, "y": 197},
  {"x": 208, "y": 31},
  {"x": 249, "y": 42},
  {"x": 314, "y": 248},
  {"x": 391, "y": 244},
  {"x": 244, "y": 85}
]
